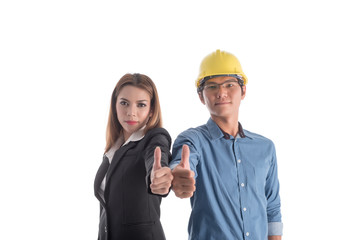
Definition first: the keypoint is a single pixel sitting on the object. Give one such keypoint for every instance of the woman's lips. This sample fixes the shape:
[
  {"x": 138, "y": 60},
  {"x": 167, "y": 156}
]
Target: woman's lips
[{"x": 131, "y": 122}]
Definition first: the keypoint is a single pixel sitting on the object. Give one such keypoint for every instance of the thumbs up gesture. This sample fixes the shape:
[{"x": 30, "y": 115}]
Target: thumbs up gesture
[
  {"x": 160, "y": 177},
  {"x": 184, "y": 182}
]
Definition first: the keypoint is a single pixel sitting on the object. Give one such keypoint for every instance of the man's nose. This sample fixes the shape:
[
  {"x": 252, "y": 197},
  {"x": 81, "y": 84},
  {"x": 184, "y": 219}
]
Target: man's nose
[{"x": 222, "y": 91}]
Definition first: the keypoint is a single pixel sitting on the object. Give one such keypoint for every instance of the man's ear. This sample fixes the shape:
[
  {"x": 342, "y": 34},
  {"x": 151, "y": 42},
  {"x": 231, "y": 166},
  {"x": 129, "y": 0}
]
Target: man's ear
[
  {"x": 243, "y": 92},
  {"x": 201, "y": 97}
]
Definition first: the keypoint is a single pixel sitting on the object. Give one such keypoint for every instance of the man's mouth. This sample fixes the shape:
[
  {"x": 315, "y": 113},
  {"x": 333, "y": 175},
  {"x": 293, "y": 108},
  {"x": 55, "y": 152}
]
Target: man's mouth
[{"x": 222, "y": 103}]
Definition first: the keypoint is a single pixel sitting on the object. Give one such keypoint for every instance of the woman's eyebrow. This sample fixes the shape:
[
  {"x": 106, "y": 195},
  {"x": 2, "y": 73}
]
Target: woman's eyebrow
[{"x": 141, "y": 100}]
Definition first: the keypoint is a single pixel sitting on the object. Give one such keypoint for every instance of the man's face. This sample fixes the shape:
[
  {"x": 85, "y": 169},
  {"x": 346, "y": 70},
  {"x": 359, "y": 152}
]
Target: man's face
[{"x": 222, "y": 96}]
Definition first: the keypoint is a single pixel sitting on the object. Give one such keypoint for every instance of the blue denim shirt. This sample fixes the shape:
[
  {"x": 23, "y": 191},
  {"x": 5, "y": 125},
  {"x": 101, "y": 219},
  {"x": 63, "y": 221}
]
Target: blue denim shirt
[{"x": 237, "y": 188}]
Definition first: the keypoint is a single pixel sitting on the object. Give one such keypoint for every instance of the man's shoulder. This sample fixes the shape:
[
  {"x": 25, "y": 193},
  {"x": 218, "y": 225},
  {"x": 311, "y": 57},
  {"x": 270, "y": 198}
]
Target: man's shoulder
[
  {"x": 257, "y": 137},
  {"x": 195, "y": 135},
  {"x": 195, "y": 131}
]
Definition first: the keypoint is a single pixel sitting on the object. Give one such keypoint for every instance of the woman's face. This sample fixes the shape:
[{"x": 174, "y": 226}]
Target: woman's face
[{"x": 133, "y": 109}]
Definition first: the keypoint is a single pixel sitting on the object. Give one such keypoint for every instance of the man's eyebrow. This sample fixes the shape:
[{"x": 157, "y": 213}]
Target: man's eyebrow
[{"x": 229, "y": 80}]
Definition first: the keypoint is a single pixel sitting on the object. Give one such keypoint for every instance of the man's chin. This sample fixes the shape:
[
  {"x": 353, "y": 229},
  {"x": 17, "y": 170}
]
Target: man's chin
[{"x": 222, "y": 114}]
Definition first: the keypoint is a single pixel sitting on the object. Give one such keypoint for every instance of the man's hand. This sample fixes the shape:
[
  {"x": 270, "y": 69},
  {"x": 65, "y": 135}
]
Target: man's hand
[
  {"x": 161, "y": 177},
  {"x": 184, "y": 182}
]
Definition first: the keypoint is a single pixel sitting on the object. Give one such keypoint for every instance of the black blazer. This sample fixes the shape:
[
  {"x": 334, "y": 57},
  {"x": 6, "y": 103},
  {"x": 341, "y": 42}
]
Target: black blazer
[{"x": 129, "y": 210}]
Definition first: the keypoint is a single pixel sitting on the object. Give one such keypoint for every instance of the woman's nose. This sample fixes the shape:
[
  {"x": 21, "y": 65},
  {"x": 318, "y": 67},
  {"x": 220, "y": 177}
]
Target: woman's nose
[{"x": 131, "y": 111}]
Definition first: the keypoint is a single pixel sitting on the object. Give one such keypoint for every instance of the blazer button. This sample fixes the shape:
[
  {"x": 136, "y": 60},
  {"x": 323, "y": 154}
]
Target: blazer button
[{"x": 105, "y": 229}]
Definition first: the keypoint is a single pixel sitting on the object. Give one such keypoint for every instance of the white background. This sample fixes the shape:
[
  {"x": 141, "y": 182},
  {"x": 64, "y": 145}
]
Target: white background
[{"x": 60, "y": 61}]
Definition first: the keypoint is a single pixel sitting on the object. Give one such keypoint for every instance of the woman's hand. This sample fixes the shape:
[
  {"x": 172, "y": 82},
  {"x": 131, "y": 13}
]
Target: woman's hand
[{"x": 161, "y": 177}]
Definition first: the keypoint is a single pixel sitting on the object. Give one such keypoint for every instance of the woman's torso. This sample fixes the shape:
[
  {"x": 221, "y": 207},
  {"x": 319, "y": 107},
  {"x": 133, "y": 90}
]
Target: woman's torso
[{"x": 128, "y": 209}]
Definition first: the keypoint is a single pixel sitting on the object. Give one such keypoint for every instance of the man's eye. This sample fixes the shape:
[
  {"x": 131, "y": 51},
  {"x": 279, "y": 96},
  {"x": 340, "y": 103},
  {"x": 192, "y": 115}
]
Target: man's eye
[
  {"x": 211, "y": 86},
  {"x": 229, "y": 85}
]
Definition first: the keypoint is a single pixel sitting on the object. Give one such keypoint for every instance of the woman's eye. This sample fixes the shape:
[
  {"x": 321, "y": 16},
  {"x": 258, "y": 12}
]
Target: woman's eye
[
  {"x": 141, "y": 105},
  {"x": 124, "y": 103}
]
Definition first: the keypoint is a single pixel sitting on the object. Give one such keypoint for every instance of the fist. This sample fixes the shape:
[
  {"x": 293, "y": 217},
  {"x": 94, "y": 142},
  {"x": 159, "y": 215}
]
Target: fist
[
  {"x": 161, "y": 177},
  {"x": 183, "y": 182}
]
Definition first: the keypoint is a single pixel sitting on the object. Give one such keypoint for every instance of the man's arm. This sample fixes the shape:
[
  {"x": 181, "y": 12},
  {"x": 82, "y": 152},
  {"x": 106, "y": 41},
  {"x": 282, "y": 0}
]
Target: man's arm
[{"x": 275, "y": 226}]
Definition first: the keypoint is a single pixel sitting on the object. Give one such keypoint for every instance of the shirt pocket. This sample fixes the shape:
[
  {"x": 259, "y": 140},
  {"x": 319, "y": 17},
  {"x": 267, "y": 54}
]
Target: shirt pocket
[
  {"x": 260, "y": 178},
  {"x": 256, "y": 178}
]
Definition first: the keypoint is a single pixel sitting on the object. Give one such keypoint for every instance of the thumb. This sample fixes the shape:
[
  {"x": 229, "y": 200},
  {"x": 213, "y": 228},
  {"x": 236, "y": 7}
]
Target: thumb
[
  {"x": 185, "y": 153},
  {"x": 157, "y": 159}
]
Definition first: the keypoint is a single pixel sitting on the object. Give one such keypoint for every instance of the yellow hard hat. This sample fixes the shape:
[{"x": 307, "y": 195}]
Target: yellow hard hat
[{"x": 220, "y": 63}]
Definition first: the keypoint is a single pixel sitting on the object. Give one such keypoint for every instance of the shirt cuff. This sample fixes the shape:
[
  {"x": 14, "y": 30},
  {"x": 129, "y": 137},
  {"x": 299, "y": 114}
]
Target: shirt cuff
[
  {"x": 275, "y": 228},
  {"x": 172, "y": 166}
]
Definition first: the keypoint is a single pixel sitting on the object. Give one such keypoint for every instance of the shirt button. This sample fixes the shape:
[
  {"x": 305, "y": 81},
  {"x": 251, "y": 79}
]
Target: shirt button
[
  {"x": 247, "y": 234},
  {"x": 244, "y": 209},
  {"x": 242, "y": 185},
  {"x": 239, "y": 161}
]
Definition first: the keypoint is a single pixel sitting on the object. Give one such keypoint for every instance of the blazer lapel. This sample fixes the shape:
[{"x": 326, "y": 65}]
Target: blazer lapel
[{"x": 117, "y": 158}]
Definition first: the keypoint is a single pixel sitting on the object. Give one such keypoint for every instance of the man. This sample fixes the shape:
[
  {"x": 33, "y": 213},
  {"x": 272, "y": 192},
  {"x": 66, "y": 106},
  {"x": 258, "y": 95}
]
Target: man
[{"x": 237, "y": 188}]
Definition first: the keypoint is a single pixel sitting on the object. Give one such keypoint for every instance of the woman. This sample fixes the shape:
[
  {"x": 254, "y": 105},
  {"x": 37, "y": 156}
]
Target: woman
[{"x": 130, "y": 181}]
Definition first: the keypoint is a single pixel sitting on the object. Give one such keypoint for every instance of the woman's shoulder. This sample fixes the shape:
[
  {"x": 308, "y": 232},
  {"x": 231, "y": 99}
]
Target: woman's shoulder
[
  {"x": 155, "y": 131},
  {"x": 158, "y": 133}
]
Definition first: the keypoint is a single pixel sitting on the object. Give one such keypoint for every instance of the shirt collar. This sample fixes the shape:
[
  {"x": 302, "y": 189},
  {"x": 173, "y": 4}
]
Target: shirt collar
[
  {"x": 136, "y": 136},
  {"x": 217, "y": 132},
  {"x": 110, "y": 154}
]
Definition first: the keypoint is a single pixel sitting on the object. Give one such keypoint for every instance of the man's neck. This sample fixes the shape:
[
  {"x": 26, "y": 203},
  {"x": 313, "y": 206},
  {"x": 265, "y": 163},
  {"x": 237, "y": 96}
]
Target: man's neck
[{"x": 227, "y": 124}]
